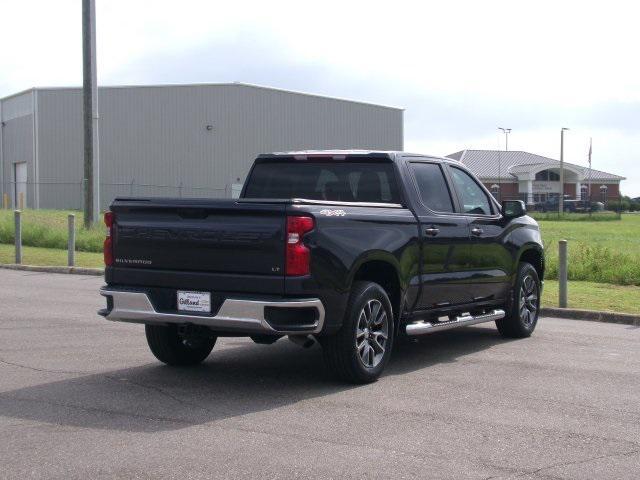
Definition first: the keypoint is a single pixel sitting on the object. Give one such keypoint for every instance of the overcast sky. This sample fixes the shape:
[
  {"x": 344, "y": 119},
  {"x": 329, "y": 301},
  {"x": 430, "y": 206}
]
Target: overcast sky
[{"x": 459, "y": 68}]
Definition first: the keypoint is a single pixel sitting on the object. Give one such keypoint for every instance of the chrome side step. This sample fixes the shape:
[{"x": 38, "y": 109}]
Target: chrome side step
[{"x": 421, "y": 328}]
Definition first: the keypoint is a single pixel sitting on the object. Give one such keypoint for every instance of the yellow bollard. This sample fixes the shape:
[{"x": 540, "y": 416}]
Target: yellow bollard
[
  {"x": 21, "y": 201},
  {"x": 5, "y": 201}
]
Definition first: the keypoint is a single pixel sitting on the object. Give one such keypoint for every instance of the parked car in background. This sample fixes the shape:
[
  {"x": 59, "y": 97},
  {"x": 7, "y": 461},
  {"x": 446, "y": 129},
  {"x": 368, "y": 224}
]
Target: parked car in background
[{"x": 569, "y": 205}]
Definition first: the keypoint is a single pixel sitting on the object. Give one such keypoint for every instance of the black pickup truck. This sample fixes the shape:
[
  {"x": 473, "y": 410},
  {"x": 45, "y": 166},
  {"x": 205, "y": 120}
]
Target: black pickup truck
[{"x": 347, "y": 248}]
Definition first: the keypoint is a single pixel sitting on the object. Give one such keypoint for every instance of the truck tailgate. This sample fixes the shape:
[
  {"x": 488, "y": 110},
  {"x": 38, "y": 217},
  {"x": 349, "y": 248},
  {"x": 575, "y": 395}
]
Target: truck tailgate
[{"x": 200, "y": 236}]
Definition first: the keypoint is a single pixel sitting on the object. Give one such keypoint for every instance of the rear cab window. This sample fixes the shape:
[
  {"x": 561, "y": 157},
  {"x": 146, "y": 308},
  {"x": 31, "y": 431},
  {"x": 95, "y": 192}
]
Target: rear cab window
[
  {"x": 432, "y": 186},
  {"x": 348, "y": 180}
]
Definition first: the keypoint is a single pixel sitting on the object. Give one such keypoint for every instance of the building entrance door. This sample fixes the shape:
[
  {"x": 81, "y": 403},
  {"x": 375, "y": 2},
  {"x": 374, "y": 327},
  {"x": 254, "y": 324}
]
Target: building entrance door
[{"x": 20, "y": 193}]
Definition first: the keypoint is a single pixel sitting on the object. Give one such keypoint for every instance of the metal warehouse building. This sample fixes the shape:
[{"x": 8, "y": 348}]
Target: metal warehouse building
[{"x": 172, "y": 140}]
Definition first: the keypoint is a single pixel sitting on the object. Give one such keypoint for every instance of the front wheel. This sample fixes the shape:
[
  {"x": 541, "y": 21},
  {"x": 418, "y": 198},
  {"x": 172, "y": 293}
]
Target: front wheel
[
  {"x": 360, "y": 350},
  {"x": 170, "y": 347},
  {"x": 522, "y": 315}
]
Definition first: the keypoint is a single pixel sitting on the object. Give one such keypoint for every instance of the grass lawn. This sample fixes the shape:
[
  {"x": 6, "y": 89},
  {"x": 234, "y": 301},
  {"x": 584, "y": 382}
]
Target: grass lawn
[
  {"x": 623, "y": 234},
  {"x": 601, "y": 251},
  {"x": 595, "y": 296},
  {"x": 48, "y": 228},
  {"x": 576, "y": 217},
  {"x": 50, "y": 257}
]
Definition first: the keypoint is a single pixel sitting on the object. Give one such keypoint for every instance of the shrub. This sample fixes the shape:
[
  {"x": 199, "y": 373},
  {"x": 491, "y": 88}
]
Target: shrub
[{"x": 596, "y": 263}]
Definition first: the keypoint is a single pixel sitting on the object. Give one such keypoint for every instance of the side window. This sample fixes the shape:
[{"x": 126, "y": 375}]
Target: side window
[
  {"x": 432, "y": 186},
  {"x": 472, "y": 197}
]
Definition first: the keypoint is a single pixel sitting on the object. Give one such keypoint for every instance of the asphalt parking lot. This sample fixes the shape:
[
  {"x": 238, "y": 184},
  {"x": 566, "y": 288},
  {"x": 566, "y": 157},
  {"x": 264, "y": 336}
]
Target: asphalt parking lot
[{"x": 81, "y": 397}]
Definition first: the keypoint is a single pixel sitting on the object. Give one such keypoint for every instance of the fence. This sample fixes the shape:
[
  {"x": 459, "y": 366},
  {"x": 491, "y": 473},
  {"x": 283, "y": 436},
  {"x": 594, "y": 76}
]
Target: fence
[
  {"x": 605, "y": 205},
  {"x": 69, "y": 195}
]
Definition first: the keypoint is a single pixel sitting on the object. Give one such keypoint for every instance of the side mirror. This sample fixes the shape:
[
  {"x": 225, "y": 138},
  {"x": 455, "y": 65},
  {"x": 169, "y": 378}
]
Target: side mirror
[{"x": 513, "y": 208}]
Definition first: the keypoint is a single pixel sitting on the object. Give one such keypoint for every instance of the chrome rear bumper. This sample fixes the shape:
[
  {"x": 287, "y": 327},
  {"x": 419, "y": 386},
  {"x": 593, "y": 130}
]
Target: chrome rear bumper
[{"x": 234, "y": 315}]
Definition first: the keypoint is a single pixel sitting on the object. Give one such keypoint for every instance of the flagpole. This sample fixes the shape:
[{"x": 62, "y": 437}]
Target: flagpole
[{"x": 589, "y": 182}]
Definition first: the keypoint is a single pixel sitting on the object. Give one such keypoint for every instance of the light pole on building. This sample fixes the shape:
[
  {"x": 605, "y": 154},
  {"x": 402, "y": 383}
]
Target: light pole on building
[{"x": 561, "y": 199}]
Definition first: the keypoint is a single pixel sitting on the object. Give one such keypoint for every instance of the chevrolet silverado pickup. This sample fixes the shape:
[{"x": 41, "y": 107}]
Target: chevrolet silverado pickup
[{"x": 350, "y": 249}]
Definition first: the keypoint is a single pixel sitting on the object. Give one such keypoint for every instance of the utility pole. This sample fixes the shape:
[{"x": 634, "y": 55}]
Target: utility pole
[
  {"x": 91, "y": 179},
  {"x": 561, "y": 199},
  {"x": 506, "y": 132}
]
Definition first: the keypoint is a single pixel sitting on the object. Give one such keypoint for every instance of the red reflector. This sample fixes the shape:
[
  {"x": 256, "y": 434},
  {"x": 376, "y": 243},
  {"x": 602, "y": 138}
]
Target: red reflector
[
  {"x": 109, "y": 219},
  {"x": 298, "y": 255},
  {"x": 108, "y": 252}
]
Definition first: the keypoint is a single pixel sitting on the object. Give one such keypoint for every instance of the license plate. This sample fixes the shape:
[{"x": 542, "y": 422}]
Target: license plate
[{"x": 194, "y": 301}]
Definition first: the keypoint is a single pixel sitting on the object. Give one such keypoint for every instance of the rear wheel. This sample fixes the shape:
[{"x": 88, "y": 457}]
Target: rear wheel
[
  {"x": 522, "y": 316},
  {"x": 360, "y": 350},
  {"x": 173, "y": 348}
]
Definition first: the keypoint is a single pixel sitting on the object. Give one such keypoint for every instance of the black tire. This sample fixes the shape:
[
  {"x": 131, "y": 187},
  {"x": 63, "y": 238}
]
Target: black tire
[
  {"x": 169, "y": 347},
  {"x": 522, "y": 313},
  {"x": 356, "y": 357}
]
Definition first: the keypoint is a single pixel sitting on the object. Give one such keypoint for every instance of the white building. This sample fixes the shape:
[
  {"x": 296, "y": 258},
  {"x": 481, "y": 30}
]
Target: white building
[{"x": 534, "y": 178}]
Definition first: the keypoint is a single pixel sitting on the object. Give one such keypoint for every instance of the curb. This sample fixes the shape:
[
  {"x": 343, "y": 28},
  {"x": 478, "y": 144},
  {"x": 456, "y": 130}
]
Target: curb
[
  {"x": 72, "y": 270},
  {"x": 592, "y": 315}
]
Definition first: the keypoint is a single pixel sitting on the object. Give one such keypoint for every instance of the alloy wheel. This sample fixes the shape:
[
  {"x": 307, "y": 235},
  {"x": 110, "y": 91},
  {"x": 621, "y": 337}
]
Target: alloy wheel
[
  {"x": 528, "y": 300},
  {"x": 372, "y": 333}
]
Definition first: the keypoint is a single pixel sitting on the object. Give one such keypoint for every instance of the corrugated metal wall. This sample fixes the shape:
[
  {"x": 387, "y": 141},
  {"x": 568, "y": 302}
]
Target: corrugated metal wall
[
  {"x": 17, "y": 143},
  {"x": 60, "y": 148},
  {"x": 154, "y": 141},
  {"x": 272, "y": 120}
]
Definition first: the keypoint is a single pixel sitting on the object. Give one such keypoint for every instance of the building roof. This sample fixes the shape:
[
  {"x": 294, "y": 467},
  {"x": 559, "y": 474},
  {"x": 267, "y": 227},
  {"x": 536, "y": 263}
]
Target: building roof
[
  {"x": 222, "y": 84},
  {"x": 484, "y": 163}
]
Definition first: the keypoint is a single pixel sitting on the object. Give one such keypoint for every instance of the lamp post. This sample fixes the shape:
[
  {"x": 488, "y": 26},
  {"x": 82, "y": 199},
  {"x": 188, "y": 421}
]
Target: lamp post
[
  {"x": 506, "y": 132},
  {"x": 561, "y": 199}
]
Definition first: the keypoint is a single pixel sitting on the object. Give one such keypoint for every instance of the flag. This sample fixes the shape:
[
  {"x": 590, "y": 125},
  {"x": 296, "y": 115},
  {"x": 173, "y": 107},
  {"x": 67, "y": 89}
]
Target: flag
[{"x": 590, "y": 152}]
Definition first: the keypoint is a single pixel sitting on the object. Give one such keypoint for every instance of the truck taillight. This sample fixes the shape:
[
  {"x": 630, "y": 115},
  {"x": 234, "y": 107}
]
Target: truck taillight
[
  {"x": 109, "y": 219},
  {"x": 298, "y": 255}
]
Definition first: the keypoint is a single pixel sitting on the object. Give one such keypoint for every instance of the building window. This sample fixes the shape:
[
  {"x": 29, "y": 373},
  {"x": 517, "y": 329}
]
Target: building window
[
  {"x": 547, "y": 176},
  {"x": 583, "y": 192},
  {"x": 603, "y": 193}
]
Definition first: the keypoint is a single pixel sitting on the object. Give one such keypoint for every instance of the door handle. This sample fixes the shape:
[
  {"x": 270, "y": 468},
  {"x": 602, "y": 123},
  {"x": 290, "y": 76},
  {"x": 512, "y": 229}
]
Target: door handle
[
  {"x": 476, "y": 231},
  {"x": 432, "y": 231}
]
